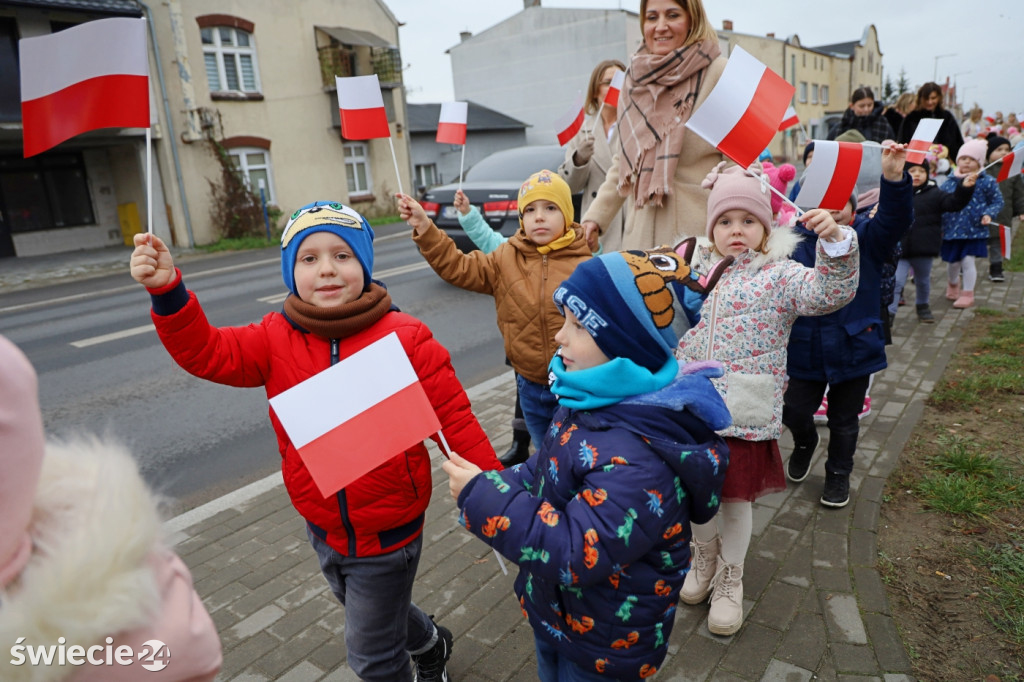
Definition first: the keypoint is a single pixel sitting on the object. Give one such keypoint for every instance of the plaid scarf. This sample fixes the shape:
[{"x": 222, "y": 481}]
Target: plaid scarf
[{"x": 660, "y": 93}]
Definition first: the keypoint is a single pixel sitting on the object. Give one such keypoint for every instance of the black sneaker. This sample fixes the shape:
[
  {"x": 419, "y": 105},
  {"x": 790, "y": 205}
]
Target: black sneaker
[
  {"x": 996, "y": 276},
  {"x": 837, "y": 490},
  {"x": 800, "y": 461},
  {"x": 430, "y": 666}
]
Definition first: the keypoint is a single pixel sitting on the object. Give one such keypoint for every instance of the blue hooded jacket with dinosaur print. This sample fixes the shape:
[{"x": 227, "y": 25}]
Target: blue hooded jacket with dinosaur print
[{"x": 599, "y": 521}]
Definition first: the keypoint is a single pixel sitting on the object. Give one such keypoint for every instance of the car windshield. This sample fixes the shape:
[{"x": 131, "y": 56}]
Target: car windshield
[{"x": 513, "y": 166}]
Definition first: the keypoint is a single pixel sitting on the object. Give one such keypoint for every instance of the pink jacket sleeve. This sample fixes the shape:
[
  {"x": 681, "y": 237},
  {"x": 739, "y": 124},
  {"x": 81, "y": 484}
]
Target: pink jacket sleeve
[{"x": 182, "y": 624}]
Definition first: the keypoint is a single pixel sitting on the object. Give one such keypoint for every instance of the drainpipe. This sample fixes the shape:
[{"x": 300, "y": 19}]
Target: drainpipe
[{"x": 170, "y": 124}]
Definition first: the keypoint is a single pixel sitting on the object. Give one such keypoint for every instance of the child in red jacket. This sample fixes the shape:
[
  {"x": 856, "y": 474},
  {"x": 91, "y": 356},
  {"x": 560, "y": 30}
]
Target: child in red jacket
[{"x": 367, "y": 536}]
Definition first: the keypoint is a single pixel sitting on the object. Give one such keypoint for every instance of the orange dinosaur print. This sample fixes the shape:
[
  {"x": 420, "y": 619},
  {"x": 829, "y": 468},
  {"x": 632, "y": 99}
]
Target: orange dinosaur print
[
  {"x": 590, "y": 556},
  {"x": 614, "y": 579},
  {"x": 584, "y": 624},
  {"x": 631, "y": 639},
  {"x": 548, "y": 514},
  {"x": 600, "y": 664},
  {"x": 594, "y": 497},
  {"x": 661, "y": 589},
  {"x": 673, "y": 531},
  {"x": 564, "y": 438},
  {"x": 494, "y": 524},
  {"x": 619, "y": 460},
  {"x": 646, "y": 670}
]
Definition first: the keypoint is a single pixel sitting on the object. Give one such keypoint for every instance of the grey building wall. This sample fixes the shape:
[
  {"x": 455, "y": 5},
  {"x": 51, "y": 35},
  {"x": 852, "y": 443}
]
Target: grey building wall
[{"x": 532, "y": 65}]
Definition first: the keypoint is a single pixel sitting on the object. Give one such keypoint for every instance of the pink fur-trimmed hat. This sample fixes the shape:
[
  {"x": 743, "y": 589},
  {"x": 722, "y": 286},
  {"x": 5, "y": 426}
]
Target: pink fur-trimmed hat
[
  {"x": 21, "y": 455},
  {"x": 732, "y": 188}
]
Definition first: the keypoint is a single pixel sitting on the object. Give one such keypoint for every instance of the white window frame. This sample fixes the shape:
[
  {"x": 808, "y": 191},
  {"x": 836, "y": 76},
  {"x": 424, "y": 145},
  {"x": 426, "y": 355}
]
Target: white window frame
[
  {"x": 814, "y": 93},
  {"x": 232, "y": 53},
  {"x": 360, "y": 156},
  {"x": 824, "y": 95},
  {"x": 420, "y": 173},
  {"x": 803, "y": 91},
  {"x": 240, "y": 157}
]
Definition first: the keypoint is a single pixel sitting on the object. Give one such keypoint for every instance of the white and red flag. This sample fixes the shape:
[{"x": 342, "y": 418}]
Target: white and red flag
[
  {"x": 744, "y": 110},
  {"x": 611, "y": 98},
  {"x": 356, "y": 415},
  {"x": 1011, "y": 165},
  {"x": 789, "y": 119},
  {"x": 831, "y": 175},
  {"x": 362, "y": 108},
  {"x": 921, "y": 140},
  {"x": 569, "y": 123},
  {"x": 1005, "y": 239},
  {"x": 94, "y": 75},
  {"x": 451, "y": 128}
]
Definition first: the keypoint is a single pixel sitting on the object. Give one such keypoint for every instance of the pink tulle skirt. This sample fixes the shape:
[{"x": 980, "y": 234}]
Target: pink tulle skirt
[{"x": 755, "y": 469}]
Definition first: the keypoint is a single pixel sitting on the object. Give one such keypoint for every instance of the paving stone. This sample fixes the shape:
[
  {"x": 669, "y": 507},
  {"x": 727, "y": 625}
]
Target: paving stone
[
  {"x": 842, "y": 617},
  {"x": 805, "y": 642},
  {"x": 784, "y": 672},
  {"x": 851, "y": 658}
]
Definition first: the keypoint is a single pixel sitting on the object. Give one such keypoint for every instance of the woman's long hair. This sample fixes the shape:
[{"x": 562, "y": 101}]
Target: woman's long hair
[
  {"x": 593, "y": 90},
  {"x": 925, "y": 92},
  {"x": 700, "y": 27}
]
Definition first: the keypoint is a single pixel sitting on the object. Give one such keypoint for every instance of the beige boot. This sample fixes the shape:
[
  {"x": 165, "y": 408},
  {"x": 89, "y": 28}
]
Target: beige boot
[
  {"x": 726, "y": 614},
  {"x": 966, "y": 300},
  {"x": 952, "y": 291},
  {"x": 697, "y": 585}
]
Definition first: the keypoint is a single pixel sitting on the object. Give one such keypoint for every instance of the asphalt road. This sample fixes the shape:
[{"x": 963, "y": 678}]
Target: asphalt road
[{"x": 103, "y": 370}]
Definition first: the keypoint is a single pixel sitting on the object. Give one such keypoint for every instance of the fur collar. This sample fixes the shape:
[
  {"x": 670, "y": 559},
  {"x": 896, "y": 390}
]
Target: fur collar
[
  {"x": 782, "y": 242},
  {"x": 94, "y": 525}
]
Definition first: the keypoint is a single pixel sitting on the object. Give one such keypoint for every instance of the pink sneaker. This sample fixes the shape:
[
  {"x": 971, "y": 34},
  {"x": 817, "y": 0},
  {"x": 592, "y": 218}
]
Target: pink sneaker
[
  {"x": 821, "y": 415},
  {"x": 866, "y": 409}
]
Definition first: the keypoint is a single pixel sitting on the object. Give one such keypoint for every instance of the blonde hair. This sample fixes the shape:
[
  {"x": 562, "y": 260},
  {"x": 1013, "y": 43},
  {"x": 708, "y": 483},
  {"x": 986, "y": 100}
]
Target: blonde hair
[
  {"x": 905, "y": 102},
  {"x": 700, "y": 26},
  {"x": 593, "y": 90}
]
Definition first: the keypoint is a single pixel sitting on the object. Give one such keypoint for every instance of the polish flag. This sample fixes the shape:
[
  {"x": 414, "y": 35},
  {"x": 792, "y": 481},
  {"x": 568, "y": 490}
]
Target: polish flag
[
  {"x": 95, "y": 75},
  {"x": 611, "y": 98},
  {"x": 362, "y": 108},
  {"x": 1005, "y": 237},
  {"x": 922, "y": 139},
  {"x": 569, "y": 123},
  {"x": 1011, "y": 166},
  {"x": 789, "y": 119},
  {"x": 356, "y": 415},
  {"x": 744, "y": 110},
  {"x": 831, "y": 175},
  {"x": 451, "y": 128}
]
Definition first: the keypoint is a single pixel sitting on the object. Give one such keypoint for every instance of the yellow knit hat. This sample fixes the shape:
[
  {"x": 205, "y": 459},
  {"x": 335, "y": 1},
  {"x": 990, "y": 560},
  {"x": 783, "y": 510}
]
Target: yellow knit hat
[{"x": 547, "y": 185}]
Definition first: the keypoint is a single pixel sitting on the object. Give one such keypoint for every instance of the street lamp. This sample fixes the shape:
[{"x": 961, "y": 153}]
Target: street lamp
[{"x": 935, "y": 75}]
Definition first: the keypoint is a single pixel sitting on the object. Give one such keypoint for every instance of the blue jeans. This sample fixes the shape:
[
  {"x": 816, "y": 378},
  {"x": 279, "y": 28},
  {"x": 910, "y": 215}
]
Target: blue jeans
[
  {"x": 539, "y": 405},
  {"x": 922, "y": 267},
  {"x": 382, "y": 625},
  {"x": 552, "y": 667}
]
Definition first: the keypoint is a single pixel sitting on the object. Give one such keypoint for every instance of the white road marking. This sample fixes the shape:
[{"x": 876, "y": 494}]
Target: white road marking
[{"x": 113, "y": 336}]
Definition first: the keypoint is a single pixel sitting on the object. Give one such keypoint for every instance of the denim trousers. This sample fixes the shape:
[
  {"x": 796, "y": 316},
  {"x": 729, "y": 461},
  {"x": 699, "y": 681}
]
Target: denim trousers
[
  {"x": 552, "y": 667},
  {"x": 539, "y": 405},
  {"x": 922, "y": 267},
  {"x": 845, "y": 401},
  {"x": 382, "y": 625}
]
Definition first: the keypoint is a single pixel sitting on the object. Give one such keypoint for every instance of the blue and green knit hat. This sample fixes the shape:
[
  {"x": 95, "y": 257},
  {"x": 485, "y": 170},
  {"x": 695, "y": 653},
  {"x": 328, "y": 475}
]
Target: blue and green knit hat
[{"x": 326, "y": 216}]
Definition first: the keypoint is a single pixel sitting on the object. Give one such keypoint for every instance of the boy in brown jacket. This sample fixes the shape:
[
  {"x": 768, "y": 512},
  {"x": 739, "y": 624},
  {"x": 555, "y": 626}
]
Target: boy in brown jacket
[{"x": 522, "y": 275}]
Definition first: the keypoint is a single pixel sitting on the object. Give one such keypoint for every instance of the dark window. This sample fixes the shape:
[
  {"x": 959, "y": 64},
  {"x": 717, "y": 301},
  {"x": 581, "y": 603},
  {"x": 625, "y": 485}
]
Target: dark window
[
  {"x": 10, "y": 87},
  {"x": 44, "y": 192}
]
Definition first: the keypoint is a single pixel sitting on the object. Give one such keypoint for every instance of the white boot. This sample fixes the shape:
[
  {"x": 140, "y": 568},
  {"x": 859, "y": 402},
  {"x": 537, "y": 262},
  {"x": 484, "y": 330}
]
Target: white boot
[
  {"x": 697, "y": 585},
  {"x": 726, "y": 614}
]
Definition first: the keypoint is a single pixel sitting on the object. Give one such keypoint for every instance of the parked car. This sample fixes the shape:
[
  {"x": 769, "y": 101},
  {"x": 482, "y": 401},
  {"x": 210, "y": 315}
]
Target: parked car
[{"x": 492, "y": 185}]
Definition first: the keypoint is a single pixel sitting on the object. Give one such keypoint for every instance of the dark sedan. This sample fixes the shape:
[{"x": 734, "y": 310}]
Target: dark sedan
[{"x": 492, "y": 185}]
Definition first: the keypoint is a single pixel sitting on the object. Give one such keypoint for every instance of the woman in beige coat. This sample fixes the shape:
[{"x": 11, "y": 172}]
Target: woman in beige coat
[
  {"x": 659, "y": 164},
  {"x": 589, "y": 154}
]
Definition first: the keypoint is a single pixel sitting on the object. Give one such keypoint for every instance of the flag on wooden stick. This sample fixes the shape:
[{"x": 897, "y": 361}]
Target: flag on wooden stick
[
  {"x": 744, "y": 110},
  {"x": 569, "y": 123},
  {"x": 611, "y": 98},
  {"x": 831, "y": 175},
  {"x": 356, "y": 415},
  {"x": 921, "y": 140},
  {"x": 94, "y": 75},
  {"x": 362, "y": 108}
]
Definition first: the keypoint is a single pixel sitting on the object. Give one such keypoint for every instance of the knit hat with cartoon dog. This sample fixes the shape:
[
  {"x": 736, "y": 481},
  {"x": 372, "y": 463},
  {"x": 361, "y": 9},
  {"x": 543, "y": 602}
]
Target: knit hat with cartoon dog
[{"x": 326, "y": 216}]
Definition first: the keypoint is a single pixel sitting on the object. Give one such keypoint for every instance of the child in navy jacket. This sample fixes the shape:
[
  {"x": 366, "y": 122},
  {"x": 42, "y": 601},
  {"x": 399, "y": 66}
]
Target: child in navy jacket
[
  {"x": 843, "y": 349},
  {"x": 599, "y": 519}
]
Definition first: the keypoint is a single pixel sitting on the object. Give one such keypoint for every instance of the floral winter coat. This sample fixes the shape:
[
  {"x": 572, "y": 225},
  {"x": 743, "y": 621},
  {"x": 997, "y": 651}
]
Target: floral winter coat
[
  {"x": 598, "y": 521},
  {"x": 746, "y": 320},
  {"x": 966, "y": 223}
]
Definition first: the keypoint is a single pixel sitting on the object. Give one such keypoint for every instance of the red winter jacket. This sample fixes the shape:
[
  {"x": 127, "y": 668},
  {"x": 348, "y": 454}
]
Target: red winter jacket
[{"x": 384, "y": 509}]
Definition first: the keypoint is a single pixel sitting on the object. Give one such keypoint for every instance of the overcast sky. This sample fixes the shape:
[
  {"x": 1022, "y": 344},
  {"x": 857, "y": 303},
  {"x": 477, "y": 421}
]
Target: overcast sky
[{"x": 986, "y": 36}]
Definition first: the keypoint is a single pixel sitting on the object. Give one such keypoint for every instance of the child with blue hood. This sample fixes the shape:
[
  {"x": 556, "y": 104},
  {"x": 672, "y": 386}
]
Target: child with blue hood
[{"x": 599, "y": 519}]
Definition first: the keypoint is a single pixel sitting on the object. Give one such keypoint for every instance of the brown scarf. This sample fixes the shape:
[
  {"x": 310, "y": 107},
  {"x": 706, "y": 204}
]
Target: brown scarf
[
  {"x": 343, "y": 320},
  {"x": 661, "y": 91}
]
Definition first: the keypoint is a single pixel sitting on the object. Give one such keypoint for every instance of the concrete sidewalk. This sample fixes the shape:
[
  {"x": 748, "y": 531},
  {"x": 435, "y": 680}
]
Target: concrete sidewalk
[{"x": 817, "y": 608}]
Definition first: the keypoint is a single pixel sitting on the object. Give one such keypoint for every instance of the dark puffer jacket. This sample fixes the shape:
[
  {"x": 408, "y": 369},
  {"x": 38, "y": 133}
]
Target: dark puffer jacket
[
  {"x": 925, "y": 236},
  {"x": 599, "y": 522}
]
